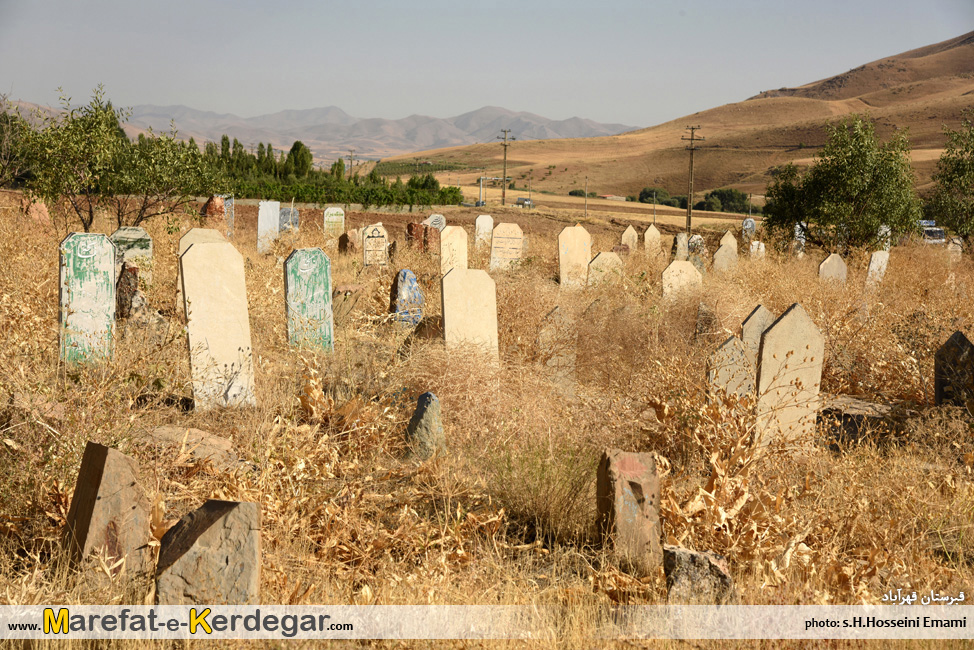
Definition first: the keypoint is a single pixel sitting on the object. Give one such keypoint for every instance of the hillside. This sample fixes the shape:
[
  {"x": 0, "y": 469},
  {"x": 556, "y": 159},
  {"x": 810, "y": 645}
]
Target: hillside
[{"x": 921, "y": 90}]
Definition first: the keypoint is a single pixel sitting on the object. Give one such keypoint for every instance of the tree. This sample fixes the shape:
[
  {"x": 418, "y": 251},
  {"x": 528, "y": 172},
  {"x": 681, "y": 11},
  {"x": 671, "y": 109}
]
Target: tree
[
  {"x": 953, "y": 202},
  {"x": 300, "y": 156},
  {"x": 855, "y": 185},
  {"x": 13, "y": 131},
  {"x": 729, "y": 199},
  {"x": 651, "y": 194}
]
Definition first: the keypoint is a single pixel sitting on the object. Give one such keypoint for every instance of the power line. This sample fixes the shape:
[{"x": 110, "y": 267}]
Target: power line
[
  {"x": 691, "y": 149},
  {"x": 505, "y": 144}
]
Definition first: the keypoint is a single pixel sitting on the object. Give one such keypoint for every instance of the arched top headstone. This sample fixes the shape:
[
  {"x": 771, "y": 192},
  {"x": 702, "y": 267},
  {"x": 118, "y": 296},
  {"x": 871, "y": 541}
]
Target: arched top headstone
[
  {"x": 375, "y": 245},
  {"x": 748, "y": 227},
  {"x": 438, "y": 221}
]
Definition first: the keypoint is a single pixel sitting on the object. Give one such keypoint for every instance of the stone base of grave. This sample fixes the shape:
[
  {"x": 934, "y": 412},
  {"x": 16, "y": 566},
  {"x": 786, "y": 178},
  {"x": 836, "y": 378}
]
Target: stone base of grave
[
  {"x": 848, "y": 419},
  {"x": 199, "y": 445},
  {"x": 695, "y": 578}
]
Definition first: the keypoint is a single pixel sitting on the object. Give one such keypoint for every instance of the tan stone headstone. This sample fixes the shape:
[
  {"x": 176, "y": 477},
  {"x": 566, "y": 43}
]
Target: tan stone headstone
[
  {"x": 218, "y": 326},
  {"x": 453, "y": 249},
  {"x": 193, "y": 236},
  {"x": 955, "y": 249},
  {"x": 725, "y": 259},
  {"x": 833, "y": 268},
  {"x": 627, "y": 501},
  {"x": 652, "y": 242},
  {"x": 506, "y": 246},
  {"x": 109, "y": 512},
  {"x": 789, "y": 377},
  {"x": 753, "y": 327},
  {"x": 878, "y": 262},
  {"x": 630, "y": 238},
  {"x": 682, "y": 247},
  {"x": 574, "y": 255},
  {"x": 211, "y": 556},
  {"x": 469, "y": 307},
  {"x": 729, "y": 370},
  {"x": 375, "y": 245},
  {"x": 729, "y": 239},
  {"x": 680, "y": 276},
  {"x": 605, "y": 268}
]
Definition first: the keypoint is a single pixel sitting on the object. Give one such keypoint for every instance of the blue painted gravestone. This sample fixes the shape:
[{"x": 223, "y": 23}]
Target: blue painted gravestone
[
  {"x": 406, "y": 299},
  {"x": 307, "y": 294},
  {"x": 228, "y": 212},
  {"x": 289, "y": 219}
]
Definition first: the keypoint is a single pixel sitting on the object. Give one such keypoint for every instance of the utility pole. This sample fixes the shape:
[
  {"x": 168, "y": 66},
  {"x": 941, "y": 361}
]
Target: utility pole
[
  {"x": 351, "y": 157},
  {"x": 505, "y": 144},
  {"x": 691, "y": 148},
  {"x": 586, "y": 197},
  {"x": 654, "y": 207}
]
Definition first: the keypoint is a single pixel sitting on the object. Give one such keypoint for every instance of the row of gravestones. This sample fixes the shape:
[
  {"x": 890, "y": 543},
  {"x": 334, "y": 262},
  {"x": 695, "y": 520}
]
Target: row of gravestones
[{"x": 273, "y": 221}]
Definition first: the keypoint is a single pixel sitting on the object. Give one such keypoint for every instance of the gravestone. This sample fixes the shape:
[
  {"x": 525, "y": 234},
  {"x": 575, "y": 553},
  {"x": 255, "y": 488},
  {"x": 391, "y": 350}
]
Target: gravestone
[
  {"x": 955, "y": 249},
  {"x": 431, "y": 240},
  {"x": 757, "y": 250},
  {"x": 290, "y": 219},
  {"x": 696, "y": 244},
  {"x": 193, "y": 236},
  {"x": 415, "y": 233},
  {"x": 725, "y": 259},
  {"x": 212, "y": 556},
  {"x": 627, "y": 503},
  {"x": 307, "y": 299},
  {"x": 424, "y": 433},
  {"x": 621, "y": 250},
  {"x": 128, "y": 298},
  {"x": 334, "y": 222},
  {"x": 885, "y": 237},
  {"x": 878, "y": 262},
  {"x": 469, "y": 307},
  {"x": 505, "y": 247},
  {"x": 833, "y": 268},
  {"x": 557, "y": 342},
  {"x": 484, "y": 228},
  {"x": 218, "y": 326},
  {"x": 133, "y": 245},
  {"x": 651, "y": 241},
  {"x": 729, "y": 370},
  {"x": 630, "y": 238},
  {"x": 756, "y": 323},
  {"x": 681, "y": 248},
  {"x": 800, "y": 239},
  {"x": 748, "y": 228},
  {"x": 109, "y": 512},
  {"x": 228, "y": 213},
  {"x": 953, "y": 372},
  {"x": 729, "y": 239},
  {"x": 453, "y": 249},
  {"x": 87, "y": 298},
  {"x": 437, "y": 221},
  {"x": 680, "y": 276},
  {"x": 605, "y": 268},
  {"x": 406, "y": 299},
  {"x": 789, "y": 377},
  {"x": 574, "y": 255},
  {"x": 268, "y": 225},
  {"x": 375, "y": 245}
]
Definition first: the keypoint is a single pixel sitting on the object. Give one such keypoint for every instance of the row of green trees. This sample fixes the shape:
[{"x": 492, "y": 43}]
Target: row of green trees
[
  {"x": 721, "y": 200},
  {"x": 79, "y": 161}
]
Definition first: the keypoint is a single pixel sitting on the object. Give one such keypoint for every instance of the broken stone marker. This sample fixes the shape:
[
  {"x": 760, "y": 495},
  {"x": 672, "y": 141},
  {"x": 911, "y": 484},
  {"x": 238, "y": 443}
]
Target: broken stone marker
[
  {"x": 211, "y": 556},
  {"x": 484, "y": 229},
  {"x": 878, "y": 262},
  {"x": 109, "y": 512},
  {"x": 268, "y": 225},
  {"x": 87, "y": 298},
  {"x": 307, "y": 299},
  {"x": 431, "y": 239},
  {"x": 453, "y": 249},
  {"x": 680, "y": 276},
  {"x": 574, "y": 255},
  {"x": 789, "y": 377},
  {"x": 729, "y": 371},
  {"x": 681, "y": 248},
  {"x": 833, "y": 268},
  {"x": 630, "y": 238},
  {"x": 350, "y": 242},
  {"x": 414, "y": 236},
  {"x": 752, "y": 328},
  {"x": 695, "y": 578},
  {"x": 133, "y": 245},
  {"x": 424, "y": 433},
  {"x": 605, "y": 268},
  {"x": 375, "y": 245},
  {"x": 953, "y": 368},
  {"x": 199, "y": 444},
  {"x": 627, "y": 501},
  {"x": 406, "y": 300},
  {"x": 507, "y": 244},
  {"x": 469, "y": 308}
]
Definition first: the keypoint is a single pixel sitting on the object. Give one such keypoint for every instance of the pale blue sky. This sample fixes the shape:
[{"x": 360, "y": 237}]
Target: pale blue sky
[{"x": 634, "y": 62}]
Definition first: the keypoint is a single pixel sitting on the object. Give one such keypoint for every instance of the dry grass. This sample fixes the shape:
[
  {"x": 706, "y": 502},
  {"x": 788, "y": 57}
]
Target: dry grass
[{"x": 508, "y": 515}]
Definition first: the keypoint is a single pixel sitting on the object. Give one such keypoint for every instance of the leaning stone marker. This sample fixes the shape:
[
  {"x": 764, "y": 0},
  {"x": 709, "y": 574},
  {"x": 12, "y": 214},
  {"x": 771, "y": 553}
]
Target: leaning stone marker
[
  {"x": 211, "y": 556},
  {"x": 407, "y": 298},
  {"x": 833, "y": 268},
  {"x": 193, "y": 236},
  {"x": 437, "y": 221},
  {"x": 878, "y": 262},
  {"x": 506, "y": 246},
  {"x": 630, "y": 238},
  {"x": 290, "y": 219},
  {"x": 109, "y": 512},
  {"x": 133, "y": 245},
  {"x": 307, "y": 299},
  {"x": 605, "y": 268},
  {"x": 469, "y": 307},
  {"x": 574, "y": 255},
  {"x": 682, "y": 248},
  {"x": 484, "y": 228},
  {"x": 87, "y": 298},
  {"x": 729, "y": 370},
  {"x": 953, "y": 372},
  {"x": 789, "y": 377},
  {"x": 651, "y": 241},
  {"x": 627, "y": 493},
  {"x": 753, "y": 327},
  {"x": 375, "y": 245},
  {"x": 680, "y": 276},
  {"x": 268, "y": 225},
  {"x": 334, "y": 222},
  {"x": 725, "y": 259},
  {"x": 453, "y": 249},
  {"x": 424, "y": 433},
  {"x": 218, "y": 326}
]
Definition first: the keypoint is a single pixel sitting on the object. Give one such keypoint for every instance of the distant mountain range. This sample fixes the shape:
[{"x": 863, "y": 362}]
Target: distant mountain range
[{"x": 330, "y": 132}]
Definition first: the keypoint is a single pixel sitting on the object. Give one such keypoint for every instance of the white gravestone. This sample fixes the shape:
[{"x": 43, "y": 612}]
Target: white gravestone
[
  {"x": 469, "y": 305},
  {"x": 375, "y": 245},
  {"x": 484, "y": 228},
  {"x": 268, "y": 225},
  {"x": 680, "y": 276},
  {"x": 334, "y": 222}
]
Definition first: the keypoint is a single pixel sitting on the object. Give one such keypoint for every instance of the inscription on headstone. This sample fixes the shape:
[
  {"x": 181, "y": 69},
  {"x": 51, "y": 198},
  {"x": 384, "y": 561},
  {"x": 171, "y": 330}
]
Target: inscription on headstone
[
  {"x": 574, "y": 254},
  {"x": 87, "y": 298},
  {"x": 375, "y": 245},
  {"x": 506, "y": 246},
  {"x": 437, "y": 221},
  {"x": 748, "y": 228},
  {"x": 307, "y": 296},
  {"x": 268, "y": 225},
  {"x": 453, "y": 249},
  {"x": 469, "y": 306}
]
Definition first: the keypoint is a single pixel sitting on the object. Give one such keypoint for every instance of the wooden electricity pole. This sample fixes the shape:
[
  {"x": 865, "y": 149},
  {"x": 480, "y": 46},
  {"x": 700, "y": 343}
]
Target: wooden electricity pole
[
  {"x": 691, "y": 148},
  {"x": 505, "y": 144},
  {"x": 351, "y": 157}
]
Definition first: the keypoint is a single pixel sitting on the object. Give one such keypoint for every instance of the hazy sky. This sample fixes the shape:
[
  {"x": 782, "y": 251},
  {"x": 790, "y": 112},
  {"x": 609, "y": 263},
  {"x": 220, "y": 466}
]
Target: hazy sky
[{"x": 636, "y": 62}]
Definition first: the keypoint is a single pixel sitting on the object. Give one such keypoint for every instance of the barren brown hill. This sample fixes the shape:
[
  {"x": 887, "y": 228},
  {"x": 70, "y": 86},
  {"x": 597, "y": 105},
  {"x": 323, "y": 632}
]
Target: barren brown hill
[{"x": 921, "y": 90}]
